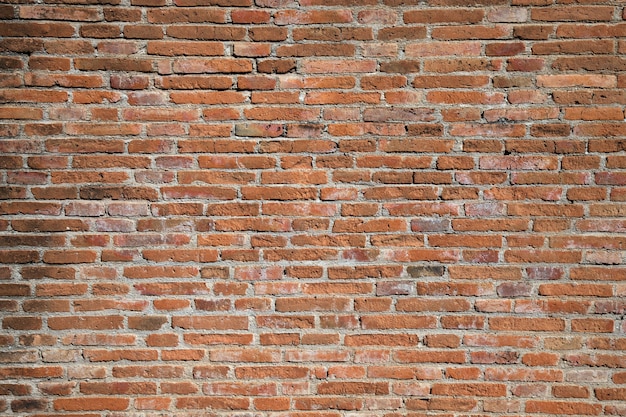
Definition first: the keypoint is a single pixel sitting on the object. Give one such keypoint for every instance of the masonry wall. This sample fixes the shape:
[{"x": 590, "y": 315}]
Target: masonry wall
[{"x": 313, "y": 208}]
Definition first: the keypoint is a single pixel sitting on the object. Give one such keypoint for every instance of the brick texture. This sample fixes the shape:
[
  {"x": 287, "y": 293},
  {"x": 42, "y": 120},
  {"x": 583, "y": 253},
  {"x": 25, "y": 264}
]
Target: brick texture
[{"x": 312, "y": 208}]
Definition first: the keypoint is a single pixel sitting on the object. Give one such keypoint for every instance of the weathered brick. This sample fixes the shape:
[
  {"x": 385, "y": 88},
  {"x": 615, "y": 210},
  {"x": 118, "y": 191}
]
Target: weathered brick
[{"x": 291, "y": 186}]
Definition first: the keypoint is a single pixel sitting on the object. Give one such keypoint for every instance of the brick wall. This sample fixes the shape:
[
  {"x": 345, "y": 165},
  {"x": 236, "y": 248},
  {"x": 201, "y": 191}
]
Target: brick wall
[{"x": 313, "y": 208}]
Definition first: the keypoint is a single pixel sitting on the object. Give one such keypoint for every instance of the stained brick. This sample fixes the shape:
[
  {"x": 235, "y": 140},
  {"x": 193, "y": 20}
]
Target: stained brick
[{"x": 324, "y": 207}]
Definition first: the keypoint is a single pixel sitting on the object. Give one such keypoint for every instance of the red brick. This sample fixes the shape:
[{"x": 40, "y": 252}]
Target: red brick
[
  {"x": 545, "y": 324},
  {"x": 205, "y": 32},
  {"x": 344, "y": 388},
  {"x": 255, "y": 167},
  {"x": 579, "y": 13},
  {"x": 33, "y": 29},
  {"x": 444, "y": 15},
  {"x": 570, "y": 391},
  {"x": 562, "y": 407},
  {"x": 91, "y": 404},
  {"x": 313, "y": 17},
  {"x": 475, "y": 389}
]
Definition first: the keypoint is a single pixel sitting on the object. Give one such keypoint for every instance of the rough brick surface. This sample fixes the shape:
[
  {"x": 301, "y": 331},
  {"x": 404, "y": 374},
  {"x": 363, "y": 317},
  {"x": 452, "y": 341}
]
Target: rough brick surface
[{"x": 312, "y": 208}]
